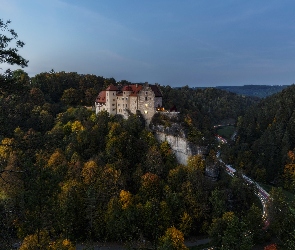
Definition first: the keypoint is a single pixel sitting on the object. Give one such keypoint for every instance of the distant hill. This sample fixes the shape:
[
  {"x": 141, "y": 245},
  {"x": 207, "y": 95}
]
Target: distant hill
[
  {"x": 261, "y": 91},
  {"x": 266, "y": 133}
]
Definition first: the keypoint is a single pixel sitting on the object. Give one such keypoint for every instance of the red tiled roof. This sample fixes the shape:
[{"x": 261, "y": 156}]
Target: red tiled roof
[
  {"x": 101, "y": 98},
  {"x": 134, "y": 88},
  {"x": 112, "y": 88},
  {"x": 127, "y": 88}
]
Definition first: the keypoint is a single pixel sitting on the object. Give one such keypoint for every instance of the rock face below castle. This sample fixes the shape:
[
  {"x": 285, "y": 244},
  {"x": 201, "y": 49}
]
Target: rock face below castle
[
  {"x": 146, "y": 98},
  {"x": 181, "y": 147}
]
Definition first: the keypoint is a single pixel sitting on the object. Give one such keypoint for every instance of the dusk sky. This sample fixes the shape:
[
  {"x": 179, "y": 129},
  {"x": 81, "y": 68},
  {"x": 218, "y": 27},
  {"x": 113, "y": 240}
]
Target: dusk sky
[{"x": 170, "y": 42}]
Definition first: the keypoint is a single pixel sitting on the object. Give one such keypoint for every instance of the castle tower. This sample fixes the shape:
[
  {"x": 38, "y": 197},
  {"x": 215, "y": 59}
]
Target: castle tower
[{"x": 111, "y": 99}]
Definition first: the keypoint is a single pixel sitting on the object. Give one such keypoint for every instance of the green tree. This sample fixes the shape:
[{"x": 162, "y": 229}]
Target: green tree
[
  {"x": 218, "y": 202},
  {"x": 121, "y": 217},
  {"x": 281, "y": 216},
  {"x": 71, "y": 96},
  {"x": 151, "y": 187},
  {"x": 10, "y": 54},
  {"x": 71, "y": 210},
  {"x": 228, "y": 232},
  {"x": 254, "y": 223},
  {"x": 37, "y": 96}
]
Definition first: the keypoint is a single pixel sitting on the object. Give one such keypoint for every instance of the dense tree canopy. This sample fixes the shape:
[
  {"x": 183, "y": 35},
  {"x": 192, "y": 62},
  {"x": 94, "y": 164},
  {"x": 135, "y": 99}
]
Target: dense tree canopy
[
  {"x": 68, "y": 174},
  {"x": 266, "y": 139}
]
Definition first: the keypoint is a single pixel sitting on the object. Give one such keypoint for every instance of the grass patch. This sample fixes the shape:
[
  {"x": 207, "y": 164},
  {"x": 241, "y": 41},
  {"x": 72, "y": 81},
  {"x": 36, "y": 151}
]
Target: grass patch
[{"x": 226, "y": 131}]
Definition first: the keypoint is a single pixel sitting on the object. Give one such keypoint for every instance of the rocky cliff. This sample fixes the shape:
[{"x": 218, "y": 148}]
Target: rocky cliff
[{"x": 175, "y": 136}]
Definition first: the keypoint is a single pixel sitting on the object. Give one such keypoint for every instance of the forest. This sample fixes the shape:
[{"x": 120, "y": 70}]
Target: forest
[
  {"x": 68, "y": 175},
  {"x": 260, "y": 91}
]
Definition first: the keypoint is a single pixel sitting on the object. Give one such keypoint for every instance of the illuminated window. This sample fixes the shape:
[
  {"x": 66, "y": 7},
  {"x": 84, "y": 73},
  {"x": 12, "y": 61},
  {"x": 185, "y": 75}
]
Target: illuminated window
[{"x": 145, "y": 112}]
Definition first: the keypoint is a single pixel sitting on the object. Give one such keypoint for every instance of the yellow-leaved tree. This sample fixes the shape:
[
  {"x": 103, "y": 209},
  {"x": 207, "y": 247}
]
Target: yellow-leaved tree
[
  {"x": 172, "y": 240},
  {"x": 289, "y": 171}
]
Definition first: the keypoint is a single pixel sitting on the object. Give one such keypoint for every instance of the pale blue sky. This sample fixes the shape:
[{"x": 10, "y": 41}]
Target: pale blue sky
[{"x": 171, "y": 42}]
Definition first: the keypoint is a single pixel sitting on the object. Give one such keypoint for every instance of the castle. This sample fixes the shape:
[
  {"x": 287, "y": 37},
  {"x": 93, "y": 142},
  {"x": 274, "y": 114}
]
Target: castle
[{"x": 146, "y": 98}]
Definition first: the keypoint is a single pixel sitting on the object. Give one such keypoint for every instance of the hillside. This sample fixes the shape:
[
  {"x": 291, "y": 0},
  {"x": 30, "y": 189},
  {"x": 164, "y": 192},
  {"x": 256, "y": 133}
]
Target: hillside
[
  {"x": 266, "y": 135},
  {"x": 69, "y": 175},
  {"x": 260, "y": 91}
]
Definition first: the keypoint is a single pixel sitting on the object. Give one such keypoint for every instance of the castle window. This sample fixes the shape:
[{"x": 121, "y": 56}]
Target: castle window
[
  {"x": 146, "y": 98},
  {"x": 113, "y": 93},
  {"x": 118, "y": 104},
  {"x": 113, "y": 104},
  {"x": 124, "y": 93},
  {"x": 107, "y": 94},
  {"x": 145, "y": 112},
  {"x": 146, "y": 93},
  {"x": 113, "y": 99}
]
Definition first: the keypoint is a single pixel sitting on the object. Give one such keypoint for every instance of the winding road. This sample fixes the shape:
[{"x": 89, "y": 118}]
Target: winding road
[{"x": 259, "y": 191}]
